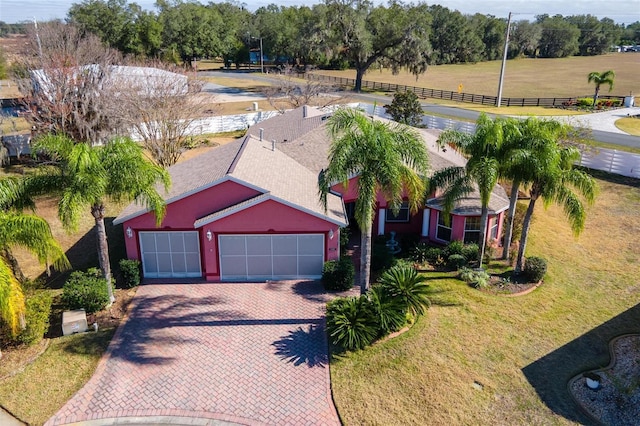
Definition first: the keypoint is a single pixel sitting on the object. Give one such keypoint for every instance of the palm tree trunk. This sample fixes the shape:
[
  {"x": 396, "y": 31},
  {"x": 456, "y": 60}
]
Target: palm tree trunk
[
  {"x": 525, "y": 233},
  {"x": 98, "y": 211},
  {"x": 483, "y": 233},
  {"x": 508, "y": 233},
  {"x": 13, "y": 264},
  {"x": 365, "y": 259},
  {"x": 595, "y": 96}
]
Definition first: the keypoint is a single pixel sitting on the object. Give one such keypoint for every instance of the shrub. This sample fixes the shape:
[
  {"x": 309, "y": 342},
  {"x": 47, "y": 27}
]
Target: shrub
[
  {"x": 130, "y": 270},
  {"x": 391, "y": 312},
  {"x": 351, "y": 322},
  {"x": 535, "y": 268},
  {"x": 456, "y": 261},
  {"x": 434, "y": 256},
  {"x": 419, "y": 253},
  {"x": 471, "y": 252},
  {"x": 85, "y": 290},
  {"x": 381, "y": 257},
  {"x": 338, "y": 275},
  {"x": 408, "y": 286},
  {"x": 585, "y": 102},
  {"x": 454, "y": 247},
  {"x": 475, "y": 278},
  {"x": 38, "y": 310}
]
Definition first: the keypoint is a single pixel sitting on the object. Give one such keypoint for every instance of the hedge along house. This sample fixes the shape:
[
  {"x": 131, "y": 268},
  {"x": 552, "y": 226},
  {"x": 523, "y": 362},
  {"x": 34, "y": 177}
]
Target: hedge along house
[
  {"x": 242, "y": 212},
  {"x": 302, "y": 135}
]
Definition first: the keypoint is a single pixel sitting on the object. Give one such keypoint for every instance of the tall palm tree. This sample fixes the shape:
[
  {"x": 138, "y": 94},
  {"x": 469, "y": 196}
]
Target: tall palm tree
[
  {"x": 556, "y": 181},
  {"x": 600, "y": 79},
  {"x": 526, "y": 145},
  {"x": 483, "y": 168},
  {"x": 86, "y": 176},
  {"x": 387, "y": 158}
]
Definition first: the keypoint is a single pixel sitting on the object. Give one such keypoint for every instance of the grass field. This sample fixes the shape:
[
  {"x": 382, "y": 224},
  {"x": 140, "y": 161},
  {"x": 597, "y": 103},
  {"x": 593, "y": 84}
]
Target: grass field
[
  {"x": 630, "y": 125},
  {"x": 534, "y": 78},
  {"x": 479, "y": 359}
]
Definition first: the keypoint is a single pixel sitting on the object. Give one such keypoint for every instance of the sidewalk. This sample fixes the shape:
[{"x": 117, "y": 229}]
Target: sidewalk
[{"x": 7, "y": 419}]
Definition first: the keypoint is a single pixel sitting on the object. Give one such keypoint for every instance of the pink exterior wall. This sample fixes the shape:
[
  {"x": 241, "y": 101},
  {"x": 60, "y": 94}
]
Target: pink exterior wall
[
  {"x": 457, "y": 226},
  {"x": 269, "y": 217},
  {"x": 181, "y": 214}
]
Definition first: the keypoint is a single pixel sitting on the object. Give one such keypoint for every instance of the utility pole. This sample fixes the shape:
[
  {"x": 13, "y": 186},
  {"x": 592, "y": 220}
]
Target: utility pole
[
  {"x": 261, "y": 58},
  {"x": 504, "y": 61},
  {"x": 35, "y": 23}
]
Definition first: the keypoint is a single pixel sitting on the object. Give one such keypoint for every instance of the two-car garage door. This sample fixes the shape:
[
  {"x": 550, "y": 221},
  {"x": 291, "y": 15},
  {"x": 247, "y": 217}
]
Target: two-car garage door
[
  {"x": 256, "y": 257},
  {"x": 176, "y": 254}
]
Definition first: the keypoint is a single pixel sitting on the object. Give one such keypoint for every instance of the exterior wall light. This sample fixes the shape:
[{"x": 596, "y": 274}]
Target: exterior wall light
[
  {"x": 331, "y": 234},
  {"x": 129, "y": 232},
  {"x": 209, "y": 235}
]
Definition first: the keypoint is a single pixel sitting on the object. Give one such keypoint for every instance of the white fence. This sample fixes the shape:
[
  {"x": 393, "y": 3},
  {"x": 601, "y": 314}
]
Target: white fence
[{"x": 612, "y": 161}]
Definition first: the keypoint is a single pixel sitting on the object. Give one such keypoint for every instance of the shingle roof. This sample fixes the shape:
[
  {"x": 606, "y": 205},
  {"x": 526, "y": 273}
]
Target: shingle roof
[
  {"x": 284, "y": 178},
  {"x": 254, "y": 162},
  {"x": 191, "y": 176}
]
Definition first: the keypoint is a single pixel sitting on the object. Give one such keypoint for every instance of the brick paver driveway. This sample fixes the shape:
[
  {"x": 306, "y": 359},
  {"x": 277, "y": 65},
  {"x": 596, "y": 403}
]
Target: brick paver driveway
[{"x": 244, "y": 353}]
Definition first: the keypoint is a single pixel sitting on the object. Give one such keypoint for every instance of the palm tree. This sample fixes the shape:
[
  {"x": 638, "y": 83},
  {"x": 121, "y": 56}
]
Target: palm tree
[
  {"x": 599, "y": 79},
  {"x": 387, "y": 158},
  {"x": 33, "y": 233},
  {"x": 555, "y": 180},
  {"x": 86, "y": 176},
  {"x": 483, "y": 152},
  {"x": 526, "y": 145}
]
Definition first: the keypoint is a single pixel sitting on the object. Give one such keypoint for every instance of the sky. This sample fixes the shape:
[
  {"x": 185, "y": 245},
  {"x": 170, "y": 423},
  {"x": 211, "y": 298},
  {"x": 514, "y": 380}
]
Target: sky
[{"x": 621, "y": 11}]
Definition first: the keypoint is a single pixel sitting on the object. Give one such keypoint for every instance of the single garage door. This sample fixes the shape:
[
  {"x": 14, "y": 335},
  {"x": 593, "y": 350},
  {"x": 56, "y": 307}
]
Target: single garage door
[
  {"x": 259, "y": 257},
  {"x": 173, "y": 254}
]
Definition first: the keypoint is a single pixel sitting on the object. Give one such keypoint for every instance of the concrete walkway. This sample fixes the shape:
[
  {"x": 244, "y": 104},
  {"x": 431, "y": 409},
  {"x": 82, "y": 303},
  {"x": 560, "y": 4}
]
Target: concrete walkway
[{"x": 251, "y": 354}]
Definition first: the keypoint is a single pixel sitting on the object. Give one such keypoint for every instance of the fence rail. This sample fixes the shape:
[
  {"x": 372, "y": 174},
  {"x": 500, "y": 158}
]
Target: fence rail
[{"x": 424, "y": 92}]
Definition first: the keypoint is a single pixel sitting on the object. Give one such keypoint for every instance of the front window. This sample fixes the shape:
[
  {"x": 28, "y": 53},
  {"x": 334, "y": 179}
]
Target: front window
[
  {"x": 471, "y": 229},
  {"x": 494, "y": 229},
  {"x": 443, "y": 231},
  {"x": 402, "y": 216}
]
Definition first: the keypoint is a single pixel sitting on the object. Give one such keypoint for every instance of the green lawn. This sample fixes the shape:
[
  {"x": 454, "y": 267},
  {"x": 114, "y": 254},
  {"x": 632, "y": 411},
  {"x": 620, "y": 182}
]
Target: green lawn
[
  {"x": 43, "y": 387},
  {"x": 427, "y": 375}
]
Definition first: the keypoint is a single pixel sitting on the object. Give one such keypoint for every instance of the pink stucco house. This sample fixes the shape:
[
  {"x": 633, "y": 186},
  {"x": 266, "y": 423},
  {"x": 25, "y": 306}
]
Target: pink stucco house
[{"x": 249, "y": 210}]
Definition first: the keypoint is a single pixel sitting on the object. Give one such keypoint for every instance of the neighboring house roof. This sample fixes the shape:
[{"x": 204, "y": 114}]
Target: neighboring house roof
[
  {"x": 253, "y": 163},
  {"x": 289, "y": 126}
]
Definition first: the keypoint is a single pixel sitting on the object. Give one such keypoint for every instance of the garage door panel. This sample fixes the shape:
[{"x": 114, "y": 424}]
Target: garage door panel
[
  {"x": 259, "y": 245},
  {"x": 309, "y": 265},
  {"x": 310, "y": 244},
  {"x": 177, "y": 243},
  {"x": 285, "y": 266},
  {"x": 193, "y": 262},
  {"x": 271, "y": 256},
  {"x": 233, "y": 245},
  {"x": 259, "y": 266},
  {"x": 285, "y": 244},
  {"x": 147, "y": 242},
  {"x": 164, "y": 263},
  {"x": 162, "y": 242},
  {"x": 149, "y": 262},
  {"x": 178, "y": 262}
]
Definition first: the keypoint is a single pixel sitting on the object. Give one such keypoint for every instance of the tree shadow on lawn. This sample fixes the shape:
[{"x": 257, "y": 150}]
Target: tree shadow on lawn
[{"x": 550, "y": 374}]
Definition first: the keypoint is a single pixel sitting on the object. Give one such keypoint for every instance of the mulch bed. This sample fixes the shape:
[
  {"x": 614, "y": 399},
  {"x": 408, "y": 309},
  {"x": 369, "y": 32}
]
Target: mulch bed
[{"x": 510, "y": 288}]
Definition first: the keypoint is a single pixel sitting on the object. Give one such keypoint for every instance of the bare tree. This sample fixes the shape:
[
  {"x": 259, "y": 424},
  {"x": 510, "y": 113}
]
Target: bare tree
[
  {"x": 290, "y": 92},
  {"x": 62, "y": 75},
  {"x": 162, "y": 109}
]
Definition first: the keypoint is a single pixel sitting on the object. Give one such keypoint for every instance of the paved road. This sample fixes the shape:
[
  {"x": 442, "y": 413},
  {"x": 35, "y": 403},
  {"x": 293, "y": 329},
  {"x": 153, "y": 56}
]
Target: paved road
[{"x": 251, "y": 354}]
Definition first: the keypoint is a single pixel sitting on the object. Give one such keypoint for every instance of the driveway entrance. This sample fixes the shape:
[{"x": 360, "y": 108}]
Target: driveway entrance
[{"x": 242, "y": 353}]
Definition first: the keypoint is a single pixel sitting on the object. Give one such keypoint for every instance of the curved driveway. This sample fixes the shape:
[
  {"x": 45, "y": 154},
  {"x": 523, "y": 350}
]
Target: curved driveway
[{"x": 251, "y": 354}]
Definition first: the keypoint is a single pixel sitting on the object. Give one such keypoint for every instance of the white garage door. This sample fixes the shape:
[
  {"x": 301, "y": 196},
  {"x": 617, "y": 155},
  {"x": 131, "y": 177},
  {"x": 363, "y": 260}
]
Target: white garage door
[
  {"x": 173, "y": 254},
  {"x": 259, "y": 257}
]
